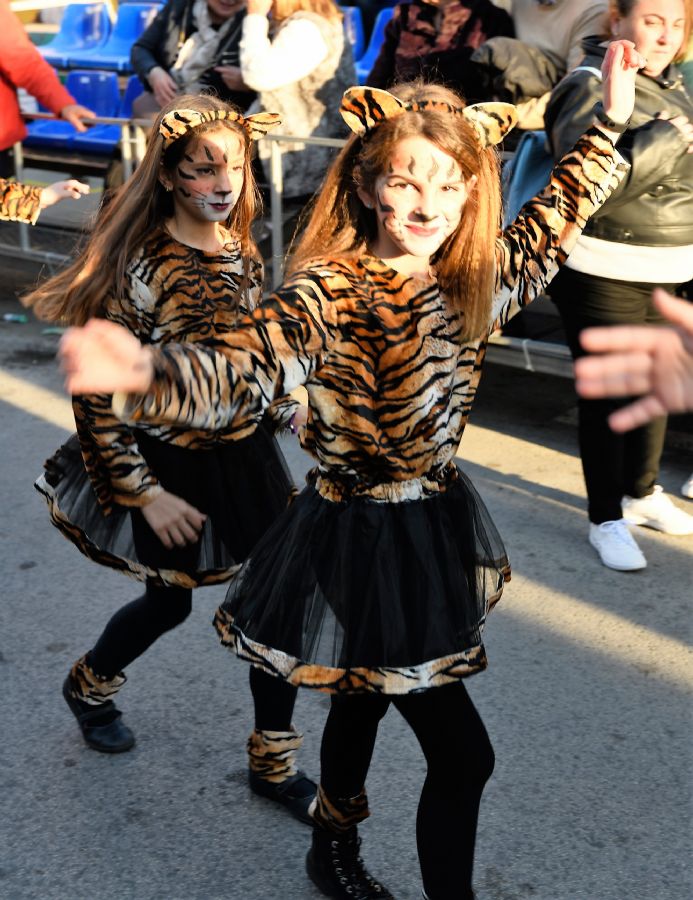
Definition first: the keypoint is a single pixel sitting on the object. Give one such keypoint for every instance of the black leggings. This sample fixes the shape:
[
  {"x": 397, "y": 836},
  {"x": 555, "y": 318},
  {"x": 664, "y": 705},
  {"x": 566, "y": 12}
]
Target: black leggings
[
  {"x": 460, "y": 761},
  {"x": 138, "y": 624}
]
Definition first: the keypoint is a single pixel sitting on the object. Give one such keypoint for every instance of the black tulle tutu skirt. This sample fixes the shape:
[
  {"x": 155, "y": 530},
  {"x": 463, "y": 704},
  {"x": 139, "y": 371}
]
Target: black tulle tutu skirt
[
  {"x": 364, "y": 595},
  {"x": 242, "y": 487}
]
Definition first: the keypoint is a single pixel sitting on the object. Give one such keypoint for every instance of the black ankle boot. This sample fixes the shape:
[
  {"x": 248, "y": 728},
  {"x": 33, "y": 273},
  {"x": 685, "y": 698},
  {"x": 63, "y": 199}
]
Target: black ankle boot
[
  {"x": 100, "y": 725},
  {"x": 296, "y": 793},
  {"x": 335, "y": 867}
]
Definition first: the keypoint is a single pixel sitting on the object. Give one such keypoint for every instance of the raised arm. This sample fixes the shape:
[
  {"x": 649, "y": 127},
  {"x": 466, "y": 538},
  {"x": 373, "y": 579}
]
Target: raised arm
[{"x": 530, "y": 251}]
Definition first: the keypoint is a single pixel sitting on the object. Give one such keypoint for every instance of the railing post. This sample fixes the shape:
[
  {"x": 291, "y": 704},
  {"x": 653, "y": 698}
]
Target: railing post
[{"x": 276, "y": 193}]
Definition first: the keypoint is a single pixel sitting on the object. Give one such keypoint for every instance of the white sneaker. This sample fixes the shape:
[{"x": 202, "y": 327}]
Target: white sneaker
[
  {"x": 615, "y": 545},
  {"x": 657, "y": 511},
  {"x": 687, "y": 488}
]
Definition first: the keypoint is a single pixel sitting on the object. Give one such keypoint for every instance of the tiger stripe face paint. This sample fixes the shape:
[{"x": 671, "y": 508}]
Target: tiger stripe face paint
[
  {"x": 207, "y": 182},
  {"x": 418, "y": 203}
]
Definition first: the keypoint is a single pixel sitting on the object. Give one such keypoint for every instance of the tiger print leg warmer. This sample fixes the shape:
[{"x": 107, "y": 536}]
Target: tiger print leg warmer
[
  {"x": 272, "y": 754},
  {"x": 341, "y": 814},
  {"x": 88, "y": 687}
]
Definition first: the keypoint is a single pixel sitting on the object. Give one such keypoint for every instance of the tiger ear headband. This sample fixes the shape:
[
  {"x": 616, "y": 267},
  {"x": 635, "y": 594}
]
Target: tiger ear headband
[
  {"x": 364, "y": 108},
  {"x": 180, "y": 121}
]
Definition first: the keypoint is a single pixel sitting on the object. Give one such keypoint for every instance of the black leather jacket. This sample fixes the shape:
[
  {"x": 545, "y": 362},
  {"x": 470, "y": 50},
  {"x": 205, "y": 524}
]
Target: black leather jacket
[
  {"x": 160, "y": 44},
  {"x": 653, "y": 205}
]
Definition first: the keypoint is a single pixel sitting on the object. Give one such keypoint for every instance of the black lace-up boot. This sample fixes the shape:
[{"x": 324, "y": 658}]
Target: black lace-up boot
[{"x": 334, "y": 865}]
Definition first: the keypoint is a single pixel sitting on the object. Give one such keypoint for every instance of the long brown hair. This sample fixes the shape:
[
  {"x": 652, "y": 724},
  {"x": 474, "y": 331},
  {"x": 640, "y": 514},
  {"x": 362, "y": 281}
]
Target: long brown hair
[
  {"x": 83, "y": 289},
  {"x": 282, "y": 9},
  {"x": 340, "y": 225}
]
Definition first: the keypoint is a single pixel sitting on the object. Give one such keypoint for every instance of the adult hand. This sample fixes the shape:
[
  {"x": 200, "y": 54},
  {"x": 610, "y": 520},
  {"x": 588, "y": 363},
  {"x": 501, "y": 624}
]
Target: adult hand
[
  {"x": 103, "y": 357},
  {"x": 174, "y": 521},
  {"x": 654, "y": 361},
  {"x": 74, "y": 114},
  {"x": 684, "y": 125},
  {"x": 62, "y": 190},
  {"x": 259, "y": 7},
  {"x": 232, "y": 77},
  {"x": 620, "y": 66},
  {"x": 162, "y": 85}
]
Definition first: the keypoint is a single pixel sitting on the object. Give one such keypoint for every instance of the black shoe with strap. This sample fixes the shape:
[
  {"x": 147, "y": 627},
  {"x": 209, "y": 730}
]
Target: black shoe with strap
[
  {"x": 101, "y": 725},
  {"x": 296, "y": 793},
  {"x": 336, "y": 868}
]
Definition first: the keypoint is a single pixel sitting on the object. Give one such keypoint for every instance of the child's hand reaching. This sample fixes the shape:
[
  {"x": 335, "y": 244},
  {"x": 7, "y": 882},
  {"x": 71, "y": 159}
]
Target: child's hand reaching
[
  {"x": 103, "y": 357},
  {"x": 62, "y": 190}
]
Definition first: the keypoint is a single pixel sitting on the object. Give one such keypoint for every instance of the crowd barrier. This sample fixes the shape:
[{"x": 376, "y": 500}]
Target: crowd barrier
[{"x": 520, "y": 352}]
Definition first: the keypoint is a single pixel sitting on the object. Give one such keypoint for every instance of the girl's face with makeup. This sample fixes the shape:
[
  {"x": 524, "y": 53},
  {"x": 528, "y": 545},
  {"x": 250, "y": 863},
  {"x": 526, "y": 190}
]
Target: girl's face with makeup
[
  {"x": 418, "y": 201},
  {"x": 208, "y": 180}
]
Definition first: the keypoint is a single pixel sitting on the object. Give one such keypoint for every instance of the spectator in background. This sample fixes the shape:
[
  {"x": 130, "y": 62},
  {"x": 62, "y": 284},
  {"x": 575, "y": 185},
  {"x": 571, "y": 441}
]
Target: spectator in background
[
  {"x": 641, "y": 238},
  {"x": 549, "y": 34},
  {"x": 181, "y": 49},
  {"x": 295, "y": 55},
  {"x": 22, "y": 66},
  {"x": 435, "y": 39}
]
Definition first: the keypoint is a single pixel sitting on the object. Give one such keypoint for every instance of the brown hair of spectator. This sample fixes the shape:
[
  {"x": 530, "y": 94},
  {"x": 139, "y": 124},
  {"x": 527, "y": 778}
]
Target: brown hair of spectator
[
  {"x": 340, "y": 225},
  {"x": 282, "y": 9},
  {"x": 130, "y": 214}
]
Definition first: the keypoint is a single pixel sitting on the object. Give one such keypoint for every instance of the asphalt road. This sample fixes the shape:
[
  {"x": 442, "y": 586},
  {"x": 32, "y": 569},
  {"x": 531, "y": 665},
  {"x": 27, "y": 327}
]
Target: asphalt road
[{"x": 587, "y": 698}]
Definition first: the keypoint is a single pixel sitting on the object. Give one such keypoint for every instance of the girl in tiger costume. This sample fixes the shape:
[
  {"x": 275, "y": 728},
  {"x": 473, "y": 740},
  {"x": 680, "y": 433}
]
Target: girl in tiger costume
[
  {"x": 24, "y": 202},
  {"x": 172, "y": 259},
  {"x": 375, "y": 583}
]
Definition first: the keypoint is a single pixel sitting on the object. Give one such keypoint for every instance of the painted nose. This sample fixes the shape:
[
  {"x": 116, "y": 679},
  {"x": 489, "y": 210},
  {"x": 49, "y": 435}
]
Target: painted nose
[
  {"x": 425, "y": 210},
  {"x": 223, "y": 185}
]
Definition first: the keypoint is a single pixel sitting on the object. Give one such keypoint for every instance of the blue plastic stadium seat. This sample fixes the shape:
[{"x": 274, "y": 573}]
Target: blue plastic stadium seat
[
  {"x": 353, "y": 28},
  {"x": 114, "y": 55},
  {"x": 96, "y": 90},
  {"x": 104, "y": 138},
  {"x": 84, "y": 26},
  {"x": 365, "y": 64}
]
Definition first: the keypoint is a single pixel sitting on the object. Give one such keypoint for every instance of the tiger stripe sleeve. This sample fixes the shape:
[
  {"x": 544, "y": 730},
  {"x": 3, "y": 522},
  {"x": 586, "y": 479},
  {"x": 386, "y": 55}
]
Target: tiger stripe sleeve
[
  {"x": 19, "y": 202},
  {"x": 272, "y": 351},
  {"x": 530, "y": 251},
  {"x": 131, "y": 480}
]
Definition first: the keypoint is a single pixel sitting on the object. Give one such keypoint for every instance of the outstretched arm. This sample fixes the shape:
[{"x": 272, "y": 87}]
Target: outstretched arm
[
  {"x": 654, "y": 361},
  {"x": 272, "y": 351}
]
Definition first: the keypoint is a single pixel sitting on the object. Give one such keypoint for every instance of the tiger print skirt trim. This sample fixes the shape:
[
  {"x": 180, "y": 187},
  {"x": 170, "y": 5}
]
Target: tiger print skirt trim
[
  {"x": 242, "y": 487},
  {"x": 363, "y": 595}
]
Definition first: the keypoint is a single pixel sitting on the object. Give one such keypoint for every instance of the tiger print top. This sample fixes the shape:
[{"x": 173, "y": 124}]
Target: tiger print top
[
  {"x": 19, "y": 202},
  {"x": 174, "y": 293},
  {"x": 390, "y": 380}
]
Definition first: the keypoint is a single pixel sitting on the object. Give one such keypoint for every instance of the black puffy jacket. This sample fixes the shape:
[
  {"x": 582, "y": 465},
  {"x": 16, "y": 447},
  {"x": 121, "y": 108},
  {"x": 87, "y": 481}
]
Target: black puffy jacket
[
  {"x": 160, "y": 43},
  {"x": 653, "y": 205}
]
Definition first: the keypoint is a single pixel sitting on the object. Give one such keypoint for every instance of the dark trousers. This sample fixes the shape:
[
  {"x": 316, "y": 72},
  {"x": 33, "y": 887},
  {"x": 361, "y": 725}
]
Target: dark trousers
[
  {"x": 6, "y": 164},
  {"x": 460, "y": 761},
  {"x": 138, "y": 624},
  {"x": 613, "y": 464}
]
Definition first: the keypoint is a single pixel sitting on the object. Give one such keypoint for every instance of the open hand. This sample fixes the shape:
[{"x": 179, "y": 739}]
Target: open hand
[
  {"x": 62, "y": 190},
  {"x": 162, "y": 85},
  {"x": 75, "y": 115},
  {"x": 620, "y": 66},
  {"x": 653, "y": 361},
  {"x": 173, "y": 520},
  {"x": 103, "y": 357}
]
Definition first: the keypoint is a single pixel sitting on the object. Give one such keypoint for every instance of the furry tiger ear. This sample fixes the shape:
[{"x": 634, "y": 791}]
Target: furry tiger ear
[
  {"x": 491, "y": 121},
  {"x": 363, "y": 108},
  {"x": 259, "y": 124}
]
